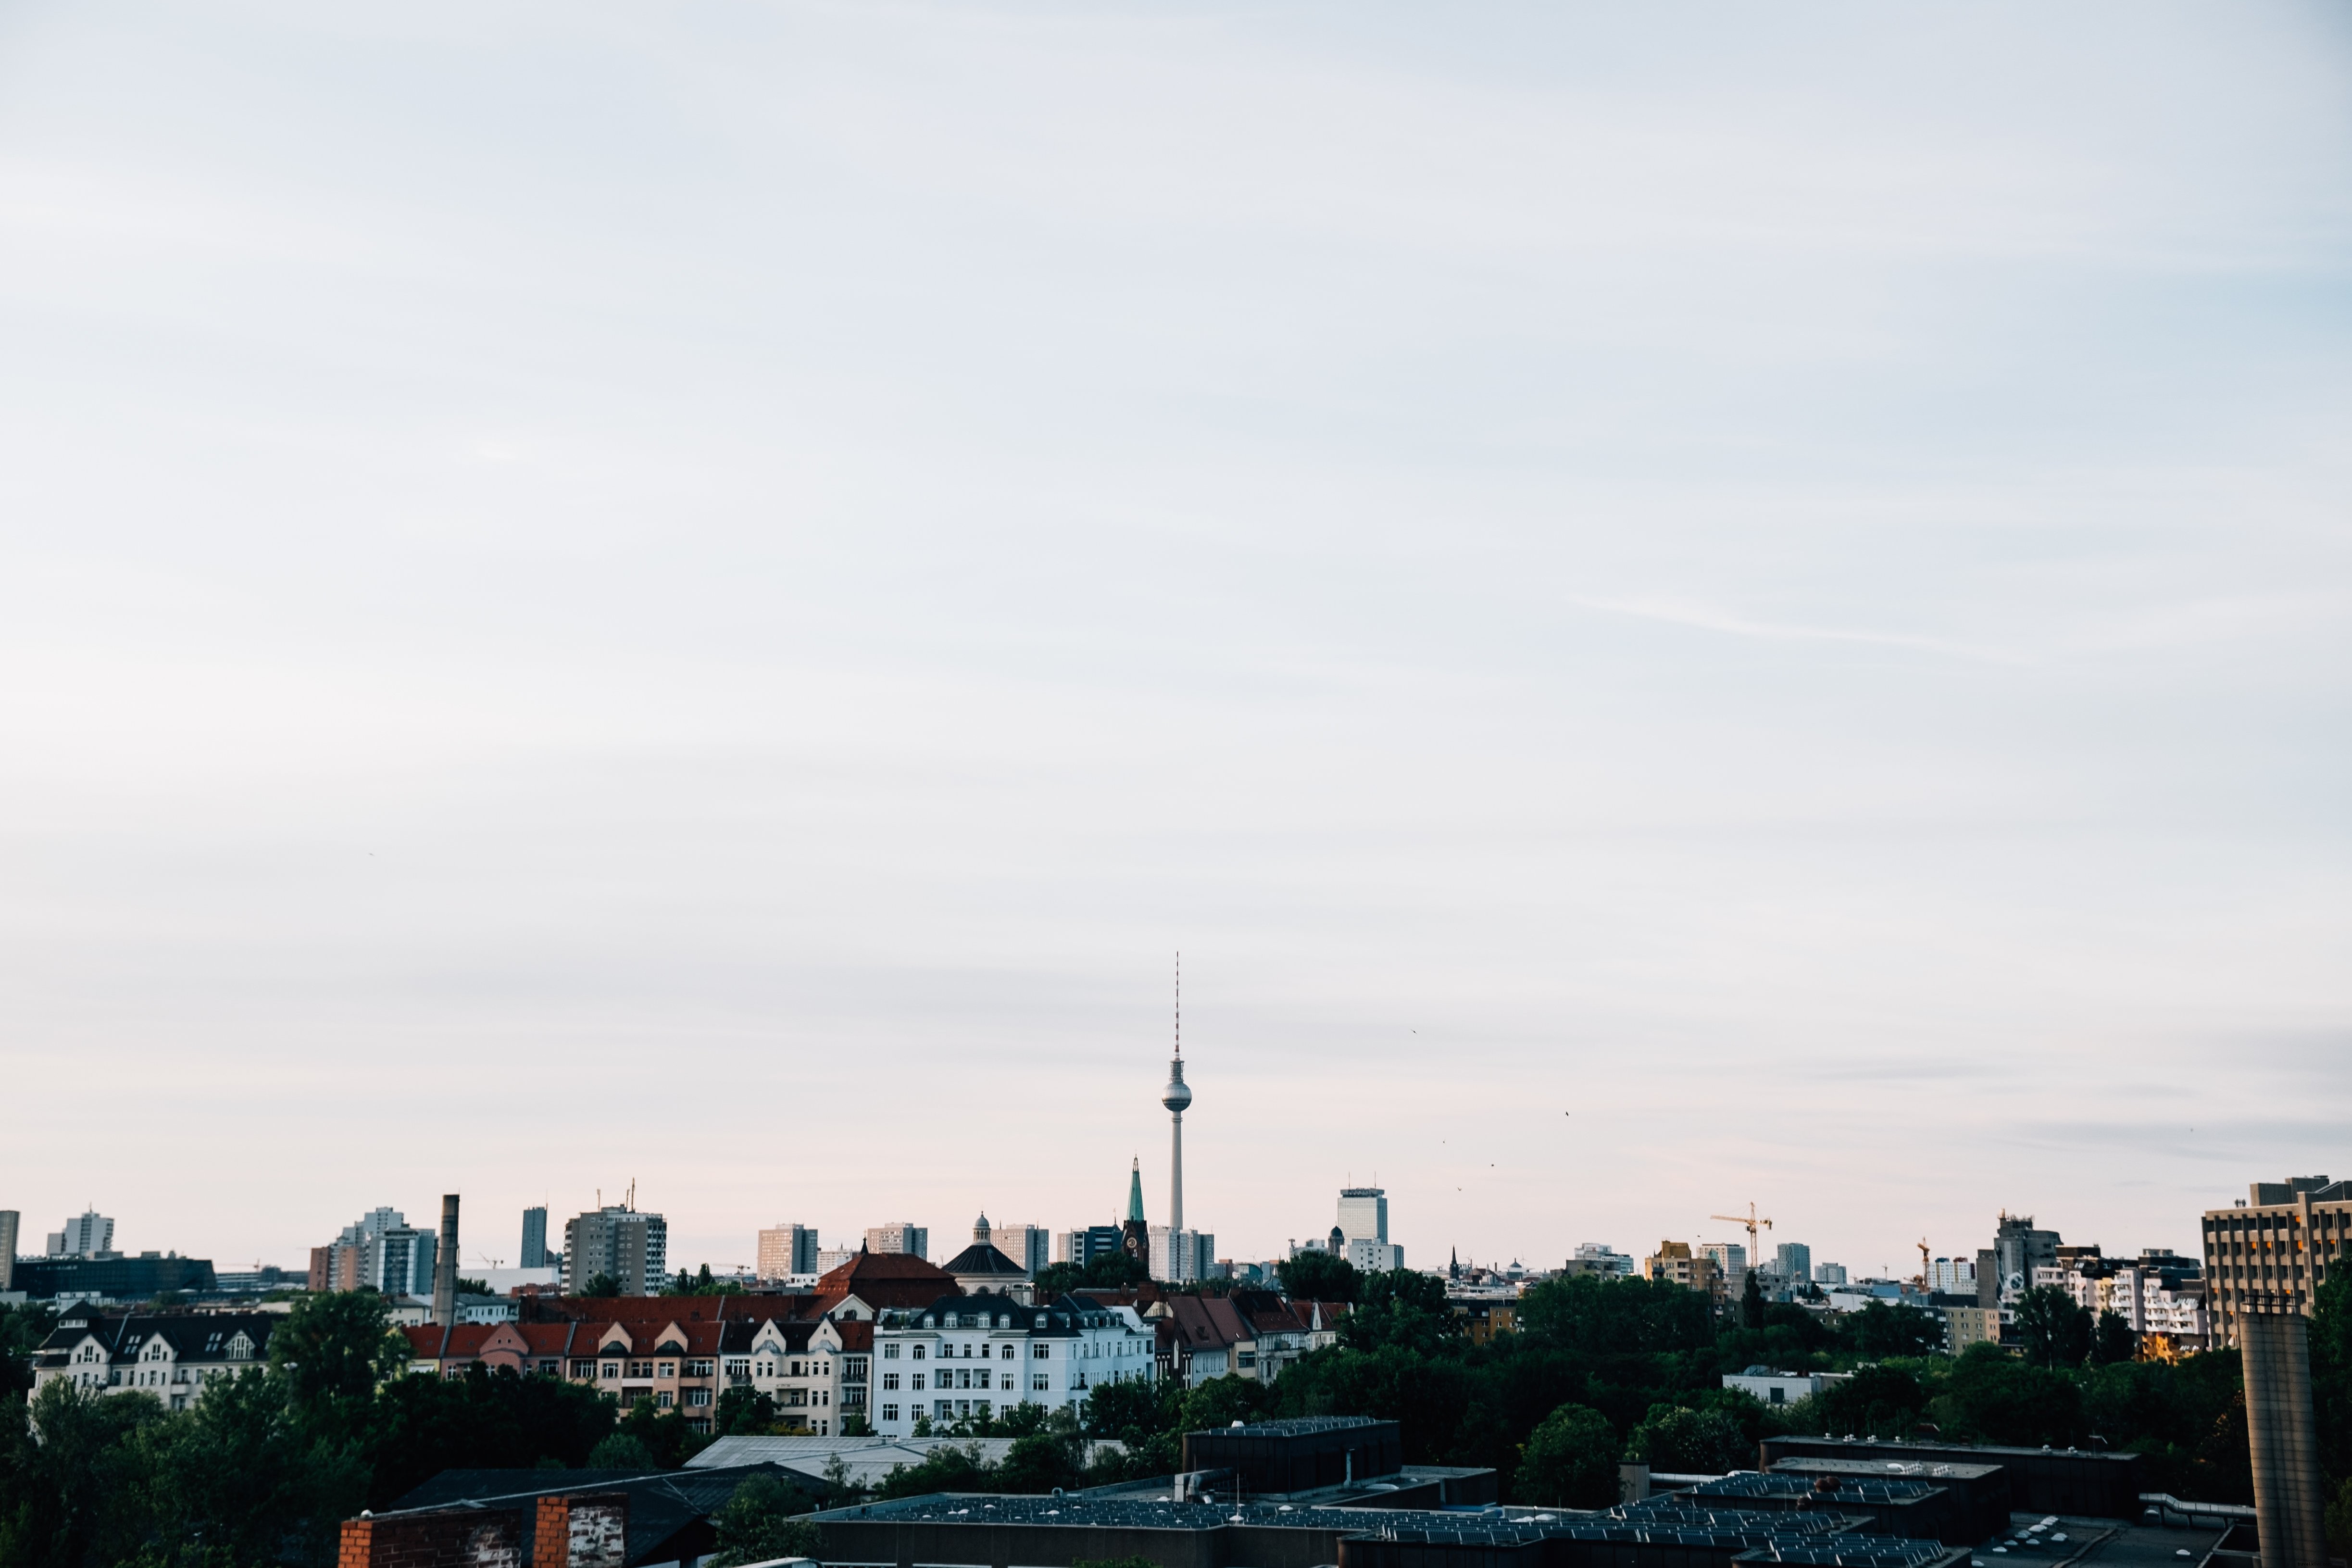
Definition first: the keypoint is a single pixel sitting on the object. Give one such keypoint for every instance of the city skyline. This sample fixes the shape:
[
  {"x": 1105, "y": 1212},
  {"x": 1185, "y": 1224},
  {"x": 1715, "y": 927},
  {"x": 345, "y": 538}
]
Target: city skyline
[{"x": 1672, "y": 611}]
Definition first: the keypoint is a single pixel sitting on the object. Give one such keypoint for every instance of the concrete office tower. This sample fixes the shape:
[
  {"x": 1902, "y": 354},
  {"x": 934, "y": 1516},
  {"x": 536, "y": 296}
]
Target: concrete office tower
[
  {"x": 1796, "y": 1261},
  {"x": 914, "y": 1240},
  {"x": 2289, "y": 1489},
  {"x": 534, "y": 1239},
  {"x": 786, "y": 1250},
  {"x": 444, "y": 1264},
  {"x": 10, "y": 1220},
  {"x": 1364, "y": 1214}
]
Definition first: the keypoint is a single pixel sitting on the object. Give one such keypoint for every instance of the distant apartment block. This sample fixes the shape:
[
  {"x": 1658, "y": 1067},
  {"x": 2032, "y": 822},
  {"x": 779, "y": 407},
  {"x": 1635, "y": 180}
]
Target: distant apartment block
[
  {"x": 10, "y": 1220},
  {"x": 1083, "y": 1246},
  {"x": 905, "y": 1236},
  {"x": 1676, "y": 1264},
  {"x": 1182, "y": 1257},
  {"x": 787, "y": 1250},
  {"x": 1030, "y": 1246},
  {"x": 534, "y": 1239},
  {"x": 1730, "y": 1261},
  {"x": 379, "y": 1251},
  {"x": 1828, "y": 1273},
  {"x": 631, "y": 1246},
  {"x": 1593, "y": 1257}
]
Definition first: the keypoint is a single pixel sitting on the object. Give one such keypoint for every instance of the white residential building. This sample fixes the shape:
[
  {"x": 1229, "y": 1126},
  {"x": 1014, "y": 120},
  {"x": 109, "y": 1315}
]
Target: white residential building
[
  {"x": 905, "y": 1236},
  {"x": 965, "y": 1357},
  {"x": 169, "y": 1355},
  {"x": 1375, "y": 1256},
  {"x": 1781, "y": 1387},
  {"x": 88, "y": 1235}
]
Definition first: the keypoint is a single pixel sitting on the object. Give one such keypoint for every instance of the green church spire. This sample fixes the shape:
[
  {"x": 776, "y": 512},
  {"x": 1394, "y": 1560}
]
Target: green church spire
[{"x": 1135, "y": 1193}]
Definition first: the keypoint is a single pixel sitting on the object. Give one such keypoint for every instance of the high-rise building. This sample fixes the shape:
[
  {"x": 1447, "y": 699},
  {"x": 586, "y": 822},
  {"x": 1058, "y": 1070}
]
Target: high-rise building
[
  {"x": 1182, "y": 1257},
  {"x": 378, "y": 1251},
  {"x": 1030, "y": 1246},
  {"x": 905, "y": 1236},
  {"x": 1598, "y": 1258},
  {"x": 534, "y": 1239},
  {"x": 1675, "y": 1263},
  {"x": 2018, "y": 1249},
  {"x": 1730, "y": 1258},
  {"x": 1828, "y": 1273},
  {"x": 632, "y": 1247},
  {"x": 10, "y": 1220},
  {"x": 88, "y": 1235},
  {"x": 2270, "y": 1253},
  {"x": 1083, "y": 1246},
  {"x": 1364, "y": 1214},
  {"x": 786, "y": 1250},
  {"x": 1795, "y": 1261}
]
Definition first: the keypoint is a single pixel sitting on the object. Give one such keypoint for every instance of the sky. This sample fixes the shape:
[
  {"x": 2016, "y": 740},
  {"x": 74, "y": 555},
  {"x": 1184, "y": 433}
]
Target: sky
[{"x": 1671, "y": 606}]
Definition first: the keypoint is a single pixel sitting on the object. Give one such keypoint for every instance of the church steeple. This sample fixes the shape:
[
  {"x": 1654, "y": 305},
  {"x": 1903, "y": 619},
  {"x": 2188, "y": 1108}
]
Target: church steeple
[{"x": 1135, "y": 1235}]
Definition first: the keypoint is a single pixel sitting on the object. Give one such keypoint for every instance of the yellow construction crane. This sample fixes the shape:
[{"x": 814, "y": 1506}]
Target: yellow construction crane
[
  {"x": 1753, "y": 1224},
  {"x": 1925, "y": 1282}
]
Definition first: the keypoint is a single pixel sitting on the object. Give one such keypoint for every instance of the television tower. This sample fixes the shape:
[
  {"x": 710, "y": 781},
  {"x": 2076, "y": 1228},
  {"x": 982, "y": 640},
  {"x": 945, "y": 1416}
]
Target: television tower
[{"x": 1176, "y": 1097}]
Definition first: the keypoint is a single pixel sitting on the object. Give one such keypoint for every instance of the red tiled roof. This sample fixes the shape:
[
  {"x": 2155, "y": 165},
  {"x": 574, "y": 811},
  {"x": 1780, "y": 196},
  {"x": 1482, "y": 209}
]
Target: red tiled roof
[{"x": 886, "y": 1279}]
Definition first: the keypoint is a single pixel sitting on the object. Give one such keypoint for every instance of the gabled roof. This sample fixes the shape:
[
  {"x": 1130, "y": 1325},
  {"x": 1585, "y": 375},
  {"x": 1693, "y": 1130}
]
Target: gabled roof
[{"x": 192, "y": 1336}]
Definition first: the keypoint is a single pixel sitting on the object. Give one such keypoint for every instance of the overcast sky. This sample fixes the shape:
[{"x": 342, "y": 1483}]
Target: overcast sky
[{"x": 1671, "y": 606}]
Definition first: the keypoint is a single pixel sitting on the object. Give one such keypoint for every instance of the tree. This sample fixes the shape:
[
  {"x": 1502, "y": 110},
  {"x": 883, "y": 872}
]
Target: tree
[
  {"x": 1040, "y": 1462},
  {"x": 1318, "y": 1277},
  {"x": 1991, "y": 1397},
  {"x": 1591, "y": 1315},
  {"x": 472, "y": 1287},
  {"x": 746, "y": 1411},
  {"x": 1688, "y": 1442},
  {"x": 1875, "y": 1401},
  {"x": 600, "y": 1284},
  {"x": 2055, "y": 1330},
  {"x": 333, "y": 1350},
  {"x": 622, "y": 1451},
  {"x": 1881, "y": 1331},
  {"x": 1751, "y": 1303},
  {"x": 69, "y": 1479},
  {"x": 2112, "y": 1340},
  {"x": 1398, "y": 1307},
  {"x": 757, "y": 1524},
  {"x": 238, "y": 1480},
  {"x": 2331, "y": 1368},
  {"x": 1569, "y": 1461}
]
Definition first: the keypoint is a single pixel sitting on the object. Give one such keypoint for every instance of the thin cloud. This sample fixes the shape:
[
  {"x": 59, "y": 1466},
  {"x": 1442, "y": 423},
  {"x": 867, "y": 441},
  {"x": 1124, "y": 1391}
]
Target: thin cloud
[{"x": 1706, "y": 617}]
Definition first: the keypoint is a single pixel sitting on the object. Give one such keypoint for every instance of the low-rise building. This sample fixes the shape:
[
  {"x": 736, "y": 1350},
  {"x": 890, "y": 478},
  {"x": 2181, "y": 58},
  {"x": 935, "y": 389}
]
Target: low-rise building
[
  {"x": 1773, "y": 1387},
  {"x": 171, "y": 1355}
]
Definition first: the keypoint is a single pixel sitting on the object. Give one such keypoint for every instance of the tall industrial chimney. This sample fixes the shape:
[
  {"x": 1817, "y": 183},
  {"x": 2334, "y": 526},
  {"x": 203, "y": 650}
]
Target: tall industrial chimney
[
  {"x": 2290, "y": 1495},
  {"x": 444, "y": 1264}
]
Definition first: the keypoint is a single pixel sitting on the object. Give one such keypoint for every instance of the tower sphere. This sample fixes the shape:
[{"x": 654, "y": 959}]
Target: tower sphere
[{"x": 1178, "y": 1094}]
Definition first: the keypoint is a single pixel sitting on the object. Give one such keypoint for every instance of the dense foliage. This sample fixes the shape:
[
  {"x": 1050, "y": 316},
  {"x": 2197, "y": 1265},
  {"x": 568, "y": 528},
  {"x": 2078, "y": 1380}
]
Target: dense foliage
[{"x": 262, "y": 1469}]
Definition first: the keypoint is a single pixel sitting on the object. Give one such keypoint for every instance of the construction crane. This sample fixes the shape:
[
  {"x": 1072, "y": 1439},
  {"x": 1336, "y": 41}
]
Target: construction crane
[
  {"x": 1925, "y": 1282},
  {"x": 1753, "y": 1224}
]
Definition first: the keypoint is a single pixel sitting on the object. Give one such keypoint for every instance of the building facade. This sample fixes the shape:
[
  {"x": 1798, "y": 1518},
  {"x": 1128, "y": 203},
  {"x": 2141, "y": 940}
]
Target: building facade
[
  {"x": 2273, "y": 1251},
  {"x": 86, "y": 1234},
  {"x": 788, "y": 1251},
  {"x": 1182, "y": 1257},
  {"x": 1676, "y": 1264},
  {"x": 169, "y": 1355},
  {"x": 534, "y": 1239},
  {"x": 965, "y": 1357},
  {"x": 630, "y": 1246},
  {"x": 907, "y": 1237}
]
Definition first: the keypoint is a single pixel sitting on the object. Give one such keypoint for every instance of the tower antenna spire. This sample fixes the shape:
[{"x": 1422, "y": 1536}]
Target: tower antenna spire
[{"x": 1179, "y": 1004}]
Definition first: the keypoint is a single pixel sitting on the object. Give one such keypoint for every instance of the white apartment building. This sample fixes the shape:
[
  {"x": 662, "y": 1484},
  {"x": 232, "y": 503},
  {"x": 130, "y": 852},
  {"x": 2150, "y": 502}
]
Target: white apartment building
[
  {"x": 1375, "y": 1256},
  {"x": 967, "y": 1356},
  {"x": 1597, "y": 1257}
]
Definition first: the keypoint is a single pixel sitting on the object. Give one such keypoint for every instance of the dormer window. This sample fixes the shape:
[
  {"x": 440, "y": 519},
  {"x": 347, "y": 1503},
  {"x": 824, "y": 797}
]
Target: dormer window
[
  {"x": 929, "y": 1321},
  {"x": 1004, "y": 1320}
]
